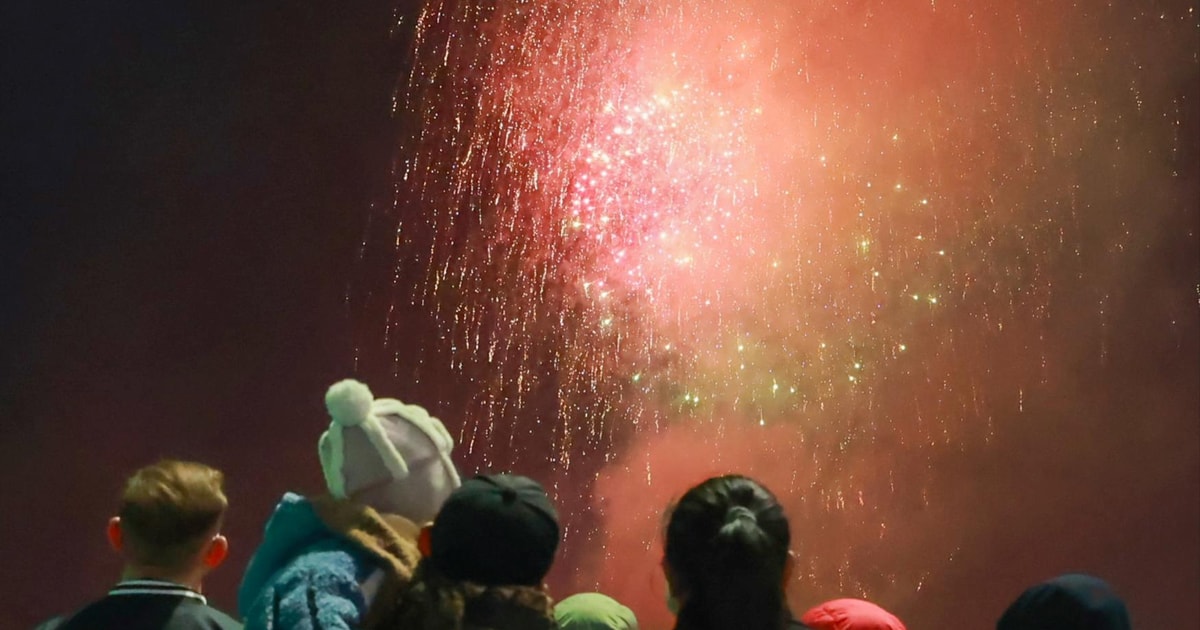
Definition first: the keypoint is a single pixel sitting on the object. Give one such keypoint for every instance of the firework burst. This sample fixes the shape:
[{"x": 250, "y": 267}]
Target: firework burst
[{"x": 620, "y": 216}]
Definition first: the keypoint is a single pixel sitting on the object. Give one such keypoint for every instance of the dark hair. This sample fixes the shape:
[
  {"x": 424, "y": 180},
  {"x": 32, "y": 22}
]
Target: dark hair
[
  {"x": 432, "y": 601},
  {"x": 727, "y": 547},
  {"x": 168, "y": 510}
]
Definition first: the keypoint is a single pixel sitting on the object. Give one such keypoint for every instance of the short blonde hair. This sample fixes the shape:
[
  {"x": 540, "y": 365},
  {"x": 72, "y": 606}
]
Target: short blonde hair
[{"x": 169, "y": 510}]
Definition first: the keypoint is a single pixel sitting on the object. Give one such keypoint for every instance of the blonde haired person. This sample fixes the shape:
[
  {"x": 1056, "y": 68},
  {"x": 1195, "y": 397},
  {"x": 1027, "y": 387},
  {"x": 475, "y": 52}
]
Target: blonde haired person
[{"x": 168, "y": 530}]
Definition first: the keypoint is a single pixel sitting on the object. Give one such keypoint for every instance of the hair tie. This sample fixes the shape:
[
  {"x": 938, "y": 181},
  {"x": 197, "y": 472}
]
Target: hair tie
[{"x": 739, "y": 513}]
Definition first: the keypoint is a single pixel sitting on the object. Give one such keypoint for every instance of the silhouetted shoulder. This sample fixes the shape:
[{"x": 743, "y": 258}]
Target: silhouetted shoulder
[
  {"x": 51, "y": 624},
  {"x": 148, "y": 613},
  {"x": 222, "y": 621}
]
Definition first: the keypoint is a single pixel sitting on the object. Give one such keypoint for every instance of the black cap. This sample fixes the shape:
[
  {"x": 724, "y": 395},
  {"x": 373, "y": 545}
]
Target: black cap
[{"x": 496, "y": 530}]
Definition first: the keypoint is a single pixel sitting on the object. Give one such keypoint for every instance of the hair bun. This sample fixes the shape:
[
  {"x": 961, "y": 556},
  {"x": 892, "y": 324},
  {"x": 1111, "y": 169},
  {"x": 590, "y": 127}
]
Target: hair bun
[{"x": 740, "y": 513}]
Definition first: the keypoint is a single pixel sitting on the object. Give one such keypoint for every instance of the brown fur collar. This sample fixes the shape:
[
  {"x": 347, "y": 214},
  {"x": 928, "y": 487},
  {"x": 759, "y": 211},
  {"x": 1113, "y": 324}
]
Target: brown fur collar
[{"x": 390, "y": 539}]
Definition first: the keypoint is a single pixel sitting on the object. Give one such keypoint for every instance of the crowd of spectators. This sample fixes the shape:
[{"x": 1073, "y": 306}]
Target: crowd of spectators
[{"x": 399, "y": 542}]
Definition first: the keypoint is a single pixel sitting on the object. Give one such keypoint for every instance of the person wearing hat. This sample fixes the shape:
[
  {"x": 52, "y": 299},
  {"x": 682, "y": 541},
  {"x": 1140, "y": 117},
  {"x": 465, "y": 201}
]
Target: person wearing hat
[
  {"x": 484, "y": 559},
  {"x": 338, "y": 561},
  {"x": 1074, "y": 601},
  {"x": 593, "y": 611},
  {"x": 850, "y": 614}
]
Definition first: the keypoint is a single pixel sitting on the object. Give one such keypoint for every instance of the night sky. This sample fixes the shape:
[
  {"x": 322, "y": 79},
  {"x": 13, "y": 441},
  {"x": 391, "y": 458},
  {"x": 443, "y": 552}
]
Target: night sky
[
  {"x": 184, "y": 188},
  {"x": 928, "y": 269}
]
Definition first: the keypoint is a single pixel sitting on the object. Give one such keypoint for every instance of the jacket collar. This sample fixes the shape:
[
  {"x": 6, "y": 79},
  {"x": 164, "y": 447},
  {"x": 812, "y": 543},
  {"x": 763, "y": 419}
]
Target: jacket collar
[{"x": 155, "y": 587}]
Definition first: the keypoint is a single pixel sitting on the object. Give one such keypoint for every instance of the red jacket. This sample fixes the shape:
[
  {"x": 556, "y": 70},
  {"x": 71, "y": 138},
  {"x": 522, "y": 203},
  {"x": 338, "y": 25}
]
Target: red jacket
[{"x": 851, "y": 614}]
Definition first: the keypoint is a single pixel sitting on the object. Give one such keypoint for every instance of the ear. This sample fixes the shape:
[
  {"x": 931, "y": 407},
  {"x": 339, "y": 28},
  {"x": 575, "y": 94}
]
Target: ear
[
  {"x": 669, "y": 575},
  {"x": 425, "y": 541},
  {"x": 789, "y": 567},
  {"x": 116, "y": 537},
  {"x": 673, "y": 599},
  {"x": 218, "y": 550}
]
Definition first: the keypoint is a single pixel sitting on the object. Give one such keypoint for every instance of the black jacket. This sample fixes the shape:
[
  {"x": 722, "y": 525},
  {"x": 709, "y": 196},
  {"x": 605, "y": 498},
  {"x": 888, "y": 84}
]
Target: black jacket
[{"x": 147, "y": 605}]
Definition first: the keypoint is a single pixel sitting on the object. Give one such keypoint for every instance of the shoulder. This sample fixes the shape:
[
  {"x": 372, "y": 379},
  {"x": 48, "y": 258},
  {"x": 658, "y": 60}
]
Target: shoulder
[
  {"x": 173, "y": 612},
  {"x": 98, "y": 610},
  {"x": 51, "y": 624},
  {"x": 293, "y": 515},
  {"x": 215, "y": 619},
  {"x": 326, "y": 560},
  {"x": 331, "y": 558},
  {"x": 193, "y": 615},
  {"x": 314, "y": 574}
]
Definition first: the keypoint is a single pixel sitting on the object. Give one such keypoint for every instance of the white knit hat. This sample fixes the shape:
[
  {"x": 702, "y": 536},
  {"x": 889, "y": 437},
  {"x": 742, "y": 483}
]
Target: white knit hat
[{"x": 398, "y": 451}]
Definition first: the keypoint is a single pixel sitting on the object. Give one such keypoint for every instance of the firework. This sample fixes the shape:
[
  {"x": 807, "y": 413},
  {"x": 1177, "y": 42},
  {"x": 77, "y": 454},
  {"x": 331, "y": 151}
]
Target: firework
[{"x": 842, "y": 222}]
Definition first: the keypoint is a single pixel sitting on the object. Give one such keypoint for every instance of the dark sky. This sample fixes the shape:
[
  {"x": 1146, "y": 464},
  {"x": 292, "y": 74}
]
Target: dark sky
[{"x": 185, "y": 187}]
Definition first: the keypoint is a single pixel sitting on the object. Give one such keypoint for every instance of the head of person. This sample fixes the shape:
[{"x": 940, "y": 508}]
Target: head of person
[
  {"x": 385, "y": 454},
  {"x": 169, "y": 521},
  {"x": 593, "y": 611},
  {"x": 495, "y": 530},
  {"x": 484, "y": 559},
  {"x": 850, "y": 614},
  {"x": 1074, "y": 601},
  {"x": 726, "y": 556}
]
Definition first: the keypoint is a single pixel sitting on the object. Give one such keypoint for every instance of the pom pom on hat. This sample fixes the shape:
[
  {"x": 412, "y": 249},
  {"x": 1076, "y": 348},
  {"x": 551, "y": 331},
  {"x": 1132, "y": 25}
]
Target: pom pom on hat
[
  {"x": 395, "y": 435},
  {"x": 349, "y": 402}
]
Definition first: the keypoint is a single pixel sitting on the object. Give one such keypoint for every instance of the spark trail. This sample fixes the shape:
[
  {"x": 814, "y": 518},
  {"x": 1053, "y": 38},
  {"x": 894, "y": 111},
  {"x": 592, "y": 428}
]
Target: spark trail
[{"x": 846, "y": 221}]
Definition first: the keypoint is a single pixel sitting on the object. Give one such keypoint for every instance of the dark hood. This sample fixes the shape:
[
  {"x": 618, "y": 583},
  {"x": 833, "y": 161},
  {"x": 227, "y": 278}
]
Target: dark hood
[{"x": 1069, "y": 602}]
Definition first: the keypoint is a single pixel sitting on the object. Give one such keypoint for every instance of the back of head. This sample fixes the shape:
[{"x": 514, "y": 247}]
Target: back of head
[
  {"x": 386, "y": 454},
  {"x": 1069, "y": 602},
  {"x": 593, "y": 611},
  {"x": 850, "y": 614},
  {"x": 487, "y": 552},
  {"x": 169, "y": 510},
  {"x": 496, "y": 530},
  {"x": 726, "y": 554},
  {"x": 432, "y": 601}
]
